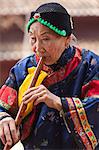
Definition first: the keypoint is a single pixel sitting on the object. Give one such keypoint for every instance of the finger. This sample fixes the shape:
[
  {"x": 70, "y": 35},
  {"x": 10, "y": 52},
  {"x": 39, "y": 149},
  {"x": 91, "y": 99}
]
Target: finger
[
  {"x": 35, "y": 97},
  {"x": 2, "y": 137},
  {"x": 13, "y": 131},
  {"x": 29, "y": 95},
  {"x": 39, "y": 100},
  {"x": 18, "y": 132},
  {"x": 7, "y": 134},
  {"x": 30, "y": 89},
  {"x": 34, "y": 92},
  {"x": 41, "y": 87},
  {"x": 26, "y": 97},
  {"x": 30, "y": 99}
]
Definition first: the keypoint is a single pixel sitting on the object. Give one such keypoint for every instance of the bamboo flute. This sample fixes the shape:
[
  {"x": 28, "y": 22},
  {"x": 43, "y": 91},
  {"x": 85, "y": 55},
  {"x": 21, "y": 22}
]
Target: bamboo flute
[{"x": 23, "y": 106}]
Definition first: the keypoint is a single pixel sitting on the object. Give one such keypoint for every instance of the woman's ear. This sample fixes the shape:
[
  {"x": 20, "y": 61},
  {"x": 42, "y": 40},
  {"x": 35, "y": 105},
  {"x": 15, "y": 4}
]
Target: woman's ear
[{"x": 67, "y": 41}]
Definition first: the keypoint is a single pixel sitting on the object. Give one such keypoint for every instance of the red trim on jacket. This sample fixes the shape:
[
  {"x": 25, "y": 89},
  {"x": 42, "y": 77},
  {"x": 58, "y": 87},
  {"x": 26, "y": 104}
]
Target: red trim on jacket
[{"x": 90, "y": 89}]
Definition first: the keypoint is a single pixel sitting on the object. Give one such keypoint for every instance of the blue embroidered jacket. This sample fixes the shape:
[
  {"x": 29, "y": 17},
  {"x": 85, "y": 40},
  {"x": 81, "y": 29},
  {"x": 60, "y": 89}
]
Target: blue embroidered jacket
[{"x": 75, "y": 79}]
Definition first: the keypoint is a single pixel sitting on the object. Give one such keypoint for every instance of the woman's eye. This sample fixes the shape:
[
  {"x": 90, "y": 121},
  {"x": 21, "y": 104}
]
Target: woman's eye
[
  {"x": 33, "y": 39},
  {"x": 45, "y": 39}
]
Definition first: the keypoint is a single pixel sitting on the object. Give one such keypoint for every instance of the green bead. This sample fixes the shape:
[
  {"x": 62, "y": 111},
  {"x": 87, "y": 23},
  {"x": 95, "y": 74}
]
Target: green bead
[
  {"x": 42, "y": 21},
  {"x": 48, "y": 24},
  {"x": 51, "y": 27},
  {"x": 31, "y": 20},
  {"x": 54, "y": 28},
  {"x": 29, "y": 23},
  {"x": 45, "y": 22},
  {"x": 59, "y": 31},
  {"x": 63, "y": 32},
  {"x": 39, "y": 19}
]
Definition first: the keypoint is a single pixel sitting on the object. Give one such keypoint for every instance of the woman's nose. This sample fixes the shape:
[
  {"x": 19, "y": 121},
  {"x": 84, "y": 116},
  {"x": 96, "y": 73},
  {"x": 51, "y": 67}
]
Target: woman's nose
[{"x": 39, "y": 47}]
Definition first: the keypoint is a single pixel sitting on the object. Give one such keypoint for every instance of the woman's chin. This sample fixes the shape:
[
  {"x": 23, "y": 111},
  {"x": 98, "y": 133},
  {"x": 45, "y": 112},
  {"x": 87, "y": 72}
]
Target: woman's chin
[{"x": 46, "y": 61}]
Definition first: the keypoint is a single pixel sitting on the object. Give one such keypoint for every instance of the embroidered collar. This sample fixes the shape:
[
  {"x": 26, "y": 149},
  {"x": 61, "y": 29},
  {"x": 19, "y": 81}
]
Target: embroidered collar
[{"x": 66, "y": 56}]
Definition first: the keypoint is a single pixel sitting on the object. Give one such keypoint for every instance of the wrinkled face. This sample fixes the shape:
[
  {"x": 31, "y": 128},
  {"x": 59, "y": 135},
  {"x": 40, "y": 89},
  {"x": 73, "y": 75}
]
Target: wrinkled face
[{"x": 46, "y": 43}]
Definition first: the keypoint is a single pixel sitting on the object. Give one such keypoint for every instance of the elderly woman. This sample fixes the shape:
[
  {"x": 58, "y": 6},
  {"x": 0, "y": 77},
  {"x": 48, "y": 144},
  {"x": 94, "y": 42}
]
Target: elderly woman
[{"x": 63, "y": 108}]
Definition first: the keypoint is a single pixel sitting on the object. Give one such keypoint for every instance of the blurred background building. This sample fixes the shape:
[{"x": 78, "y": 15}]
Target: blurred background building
[{"x": 14, "y": 43}]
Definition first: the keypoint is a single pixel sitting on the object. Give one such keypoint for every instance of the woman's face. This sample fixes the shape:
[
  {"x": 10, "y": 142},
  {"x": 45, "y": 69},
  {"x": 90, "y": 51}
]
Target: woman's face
[{"x": 46, "y": 43}]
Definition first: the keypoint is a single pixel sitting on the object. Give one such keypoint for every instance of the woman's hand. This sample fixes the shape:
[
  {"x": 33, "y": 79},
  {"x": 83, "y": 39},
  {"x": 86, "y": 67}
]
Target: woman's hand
[
  {"x": 42, "y": 94},
  {"x": 8, "y": 132}
]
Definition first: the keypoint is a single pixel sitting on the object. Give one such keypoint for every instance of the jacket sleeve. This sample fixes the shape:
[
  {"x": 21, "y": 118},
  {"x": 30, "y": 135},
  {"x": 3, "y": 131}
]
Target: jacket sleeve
[
  {"x": 8, "y": 94},
  {"x": 9, "y": 91},
  {"x": 81, "y": 114},
  {"x": 82, "y": 119}
]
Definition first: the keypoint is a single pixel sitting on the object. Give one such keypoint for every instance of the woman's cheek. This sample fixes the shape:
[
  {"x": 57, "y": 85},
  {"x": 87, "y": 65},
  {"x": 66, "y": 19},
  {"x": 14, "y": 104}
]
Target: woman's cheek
[{"x": 34, "y": 48}]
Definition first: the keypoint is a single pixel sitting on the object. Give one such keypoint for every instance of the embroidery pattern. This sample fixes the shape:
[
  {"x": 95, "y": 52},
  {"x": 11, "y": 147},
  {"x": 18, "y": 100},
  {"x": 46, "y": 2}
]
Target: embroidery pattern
[
  {"x": 84, "y": 122},
  {"x": 77, "y": 124},
  {"x": 4, "y": 105}
]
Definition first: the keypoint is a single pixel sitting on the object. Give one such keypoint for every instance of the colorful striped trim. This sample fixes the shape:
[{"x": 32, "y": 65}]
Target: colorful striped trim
[
  {"x": 4, "y": 105},
  {"x": 77, "y": 124},
  {"x": 84, "y": 122}
]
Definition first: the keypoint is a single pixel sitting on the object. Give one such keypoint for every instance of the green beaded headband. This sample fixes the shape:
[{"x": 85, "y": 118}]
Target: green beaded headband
[{"x": 46, "y": 23}]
